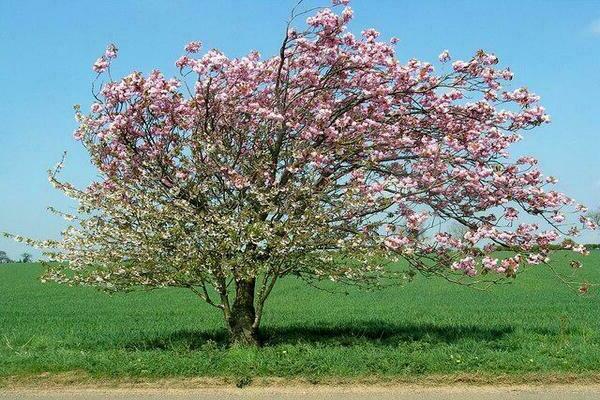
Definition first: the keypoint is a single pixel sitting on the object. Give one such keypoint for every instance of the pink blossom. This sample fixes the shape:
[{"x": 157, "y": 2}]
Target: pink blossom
[
  {"x": 467, "y": 265},
  {"x": 511, "y": 214},
  {"x": 111, "y": 52},
  {"x": 507, "y": 74},
  {"x": 370, "y": 34},
  {"x": 101, "y": 65},
  {"x": 489, "y": 263},
  {"x": 536, "y": 259},
  {"x": 459, "y": 65},
  {"x": 193, "y": 47},
  {"x": 183, "y": 61},
  {"x": 96, "y": 107},
  {"x": 396, "y": 242},
  {"x": 347, "y": 14},
  {"x": 589, "y": 224},
  {"x": 444, "y": 56},
  {"x": 580, "y": 249}
]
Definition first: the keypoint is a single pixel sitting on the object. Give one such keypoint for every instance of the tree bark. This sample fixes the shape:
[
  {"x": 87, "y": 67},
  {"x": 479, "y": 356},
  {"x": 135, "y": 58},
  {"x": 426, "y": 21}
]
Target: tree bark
[{"x": 242, "y": 316}]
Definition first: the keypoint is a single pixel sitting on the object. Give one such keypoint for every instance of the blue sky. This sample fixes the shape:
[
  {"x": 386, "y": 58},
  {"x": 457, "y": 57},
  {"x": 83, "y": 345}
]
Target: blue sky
[{"x": 48, "y": 47}]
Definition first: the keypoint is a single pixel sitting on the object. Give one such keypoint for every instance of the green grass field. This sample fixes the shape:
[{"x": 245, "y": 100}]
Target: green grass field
[{"x": 427, "y": 327}]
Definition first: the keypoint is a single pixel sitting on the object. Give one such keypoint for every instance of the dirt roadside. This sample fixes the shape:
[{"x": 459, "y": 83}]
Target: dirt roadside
[{"x": 405, "y": 392}]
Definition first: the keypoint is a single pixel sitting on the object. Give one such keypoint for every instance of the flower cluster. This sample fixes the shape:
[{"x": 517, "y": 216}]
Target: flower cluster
[{"x": 102, "y": 63}]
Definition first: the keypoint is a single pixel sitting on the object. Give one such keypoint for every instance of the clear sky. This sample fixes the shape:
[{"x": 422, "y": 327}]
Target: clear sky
[{"x": 47, "y": 49}]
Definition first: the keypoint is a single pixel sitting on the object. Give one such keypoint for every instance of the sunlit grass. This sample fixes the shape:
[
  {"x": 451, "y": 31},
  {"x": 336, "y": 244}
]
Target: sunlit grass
[{"x": 428, "y": 326}]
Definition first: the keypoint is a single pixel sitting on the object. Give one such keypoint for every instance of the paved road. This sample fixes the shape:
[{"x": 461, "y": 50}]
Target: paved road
[{"x": 571, "y": 392}]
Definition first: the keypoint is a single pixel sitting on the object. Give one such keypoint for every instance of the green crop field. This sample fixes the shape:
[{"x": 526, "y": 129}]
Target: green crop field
[{"x": 427, "y": 327}]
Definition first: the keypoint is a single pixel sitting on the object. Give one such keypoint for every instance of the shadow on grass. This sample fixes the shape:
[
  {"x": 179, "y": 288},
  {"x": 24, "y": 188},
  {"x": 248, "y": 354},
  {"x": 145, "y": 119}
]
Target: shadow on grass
[{"x": 373, "y": 332}]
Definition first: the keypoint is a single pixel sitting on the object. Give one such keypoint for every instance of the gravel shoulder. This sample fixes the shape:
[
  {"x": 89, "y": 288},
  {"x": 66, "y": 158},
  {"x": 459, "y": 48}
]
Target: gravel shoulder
[{"x": 406, "y": 392}]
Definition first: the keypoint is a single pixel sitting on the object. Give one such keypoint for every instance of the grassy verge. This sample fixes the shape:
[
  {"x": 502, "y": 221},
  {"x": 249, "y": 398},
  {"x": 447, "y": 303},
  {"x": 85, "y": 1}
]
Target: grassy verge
[
  {"x": 82, "y": 380},
  {"x": 426, "y": 331}
]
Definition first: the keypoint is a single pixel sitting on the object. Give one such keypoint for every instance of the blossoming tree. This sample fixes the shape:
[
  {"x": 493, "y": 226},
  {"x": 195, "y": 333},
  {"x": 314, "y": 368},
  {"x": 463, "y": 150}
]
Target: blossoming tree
[{"x": 330, "y": 160}]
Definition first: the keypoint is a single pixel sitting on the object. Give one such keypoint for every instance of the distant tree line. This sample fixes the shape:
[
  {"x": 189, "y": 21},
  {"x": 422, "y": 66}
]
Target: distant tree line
[
  {"x": 4, "y": 259},
  {"x": 24, "y": 258}
]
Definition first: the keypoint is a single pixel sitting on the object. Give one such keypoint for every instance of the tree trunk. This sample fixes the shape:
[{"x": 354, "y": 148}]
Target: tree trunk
[{"x": 241, "y": 319}]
